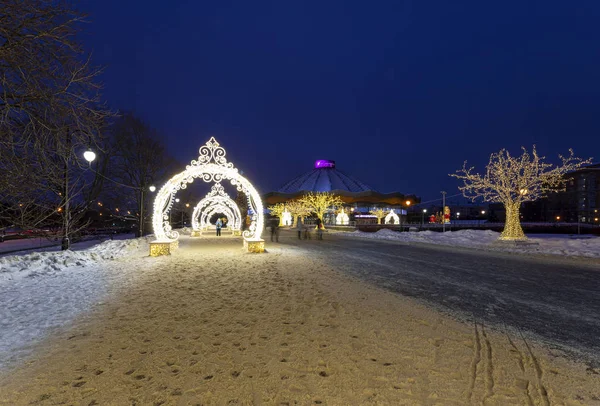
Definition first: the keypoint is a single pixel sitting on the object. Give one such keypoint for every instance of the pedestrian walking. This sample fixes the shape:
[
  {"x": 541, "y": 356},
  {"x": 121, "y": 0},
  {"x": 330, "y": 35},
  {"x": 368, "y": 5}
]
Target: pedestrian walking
[
  {"x": 299, "y": 227},
  {"x": 319, "y": 229},
  {"x": 275, "y": 229},
  {"x": 307, "y": 233},
  {"x": 219, "y": 225}
]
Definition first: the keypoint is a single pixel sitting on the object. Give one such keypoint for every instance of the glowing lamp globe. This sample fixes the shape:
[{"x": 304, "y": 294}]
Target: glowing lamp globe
[
  {"x": 152, "y": 188},
  {"x": 89, "y": 156}
]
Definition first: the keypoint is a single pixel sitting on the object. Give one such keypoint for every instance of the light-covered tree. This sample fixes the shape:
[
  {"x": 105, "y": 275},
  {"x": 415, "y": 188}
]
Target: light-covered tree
[
  {"x": 277, "y": 211},
  {"x": 379, "y": 213},
  {"x": 297, "y": 209},
  {"x": 320, "y": 202},
  {"x": 513, "y": 180}
]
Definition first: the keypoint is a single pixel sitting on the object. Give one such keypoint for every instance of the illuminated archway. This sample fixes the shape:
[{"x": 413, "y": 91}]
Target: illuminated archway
[
  {"x": 212, "y": 210},
  {"x": 342, "y": 218},
  {"x": 211, "y": 166},
  {"x": 392, "y": 216},
  {"x": 286, "y": 218},
  {"x": 217, "y": 196}
]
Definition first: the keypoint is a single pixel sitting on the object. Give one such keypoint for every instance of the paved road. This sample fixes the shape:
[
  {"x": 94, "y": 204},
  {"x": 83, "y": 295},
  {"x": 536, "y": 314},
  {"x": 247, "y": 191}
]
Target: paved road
[{"x": 558, "y": 299}]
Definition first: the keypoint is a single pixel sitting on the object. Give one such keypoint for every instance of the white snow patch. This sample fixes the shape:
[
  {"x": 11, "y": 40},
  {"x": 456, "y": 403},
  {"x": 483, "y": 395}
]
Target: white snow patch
[
  {"x": 46, "y": 263},
  {"x": 556, "y": 244},
  {"x": 44, "y": 290}
]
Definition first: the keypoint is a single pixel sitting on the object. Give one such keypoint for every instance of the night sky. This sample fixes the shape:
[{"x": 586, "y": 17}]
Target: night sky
[{"x": 399, "y": 93}]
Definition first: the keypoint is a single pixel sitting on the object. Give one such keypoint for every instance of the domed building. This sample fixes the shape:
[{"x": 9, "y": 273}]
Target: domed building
[
  {"x": 324, "y": 178},
  {"x": 359, "y": 196}
]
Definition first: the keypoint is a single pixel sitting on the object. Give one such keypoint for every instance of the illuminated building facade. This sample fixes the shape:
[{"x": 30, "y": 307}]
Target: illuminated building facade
[{"x": 356, "y": 195}]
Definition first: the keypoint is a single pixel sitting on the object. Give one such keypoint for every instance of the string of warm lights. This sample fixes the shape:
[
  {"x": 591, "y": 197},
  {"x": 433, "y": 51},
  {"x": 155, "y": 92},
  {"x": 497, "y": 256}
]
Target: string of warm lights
[
  {"x": 277, "y": 210},
  {"x": 211, "y": 166},
  {"x": 319, "y": 203},
  {"x": 392, "y": 216},
  {"x": 215, "y": 209},
  {"x": 379, "y": 213},
  {"x": 216, "y": 197},
  {"x": 513, "y": 180},
  {"x": 297, "y": 209}
]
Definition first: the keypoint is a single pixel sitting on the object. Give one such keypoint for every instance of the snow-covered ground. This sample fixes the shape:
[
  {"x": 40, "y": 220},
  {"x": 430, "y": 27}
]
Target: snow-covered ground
[
  {"x": 288, "y": 327},
  {"x": 556, "y": 244},
  {"x": 38, "y": 244},
  {"x": 43, "y": 290}
]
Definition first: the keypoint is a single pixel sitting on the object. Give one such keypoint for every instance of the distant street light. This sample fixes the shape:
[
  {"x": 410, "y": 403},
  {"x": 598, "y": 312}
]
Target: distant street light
[
  {"x": 407, "y": 204},
  {"x": 152, "y": 188},
  {"x": 177, "y": 200}
]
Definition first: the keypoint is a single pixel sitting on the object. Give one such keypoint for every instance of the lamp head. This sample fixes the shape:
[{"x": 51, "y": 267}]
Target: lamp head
[{"x": 89, "y": 156}]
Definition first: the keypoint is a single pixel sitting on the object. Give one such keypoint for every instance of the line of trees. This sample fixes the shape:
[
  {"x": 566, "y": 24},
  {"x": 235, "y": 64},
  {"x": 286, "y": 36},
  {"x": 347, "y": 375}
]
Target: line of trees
[
  {"x": 311, "y": 203},
  {"x": 51, "y": 111}
]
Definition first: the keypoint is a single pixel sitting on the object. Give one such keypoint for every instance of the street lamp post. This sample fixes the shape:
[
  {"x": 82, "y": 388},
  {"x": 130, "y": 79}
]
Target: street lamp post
[{"x": 90, "y": 156}]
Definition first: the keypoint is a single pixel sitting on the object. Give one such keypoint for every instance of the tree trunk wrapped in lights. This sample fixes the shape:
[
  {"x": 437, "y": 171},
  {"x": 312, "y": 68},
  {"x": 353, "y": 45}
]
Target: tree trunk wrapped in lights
[
  {"x": 298, "y": 209},
  {"x": 320, "y": 202},
  {"x": 277, "y": 211},
  {"x": 512, "y": 227},
  {"x": 513, "y": 180},
  {"x": 379, "y": 213}
]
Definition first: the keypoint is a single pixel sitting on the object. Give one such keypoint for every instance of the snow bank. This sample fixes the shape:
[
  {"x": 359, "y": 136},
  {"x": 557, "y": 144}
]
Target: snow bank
[
  {"x": 45, "y": 263},
  {"x": 556, "y": 244}
]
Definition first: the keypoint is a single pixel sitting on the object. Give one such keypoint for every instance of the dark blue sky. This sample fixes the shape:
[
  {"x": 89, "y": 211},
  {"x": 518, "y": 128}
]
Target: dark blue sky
[{"x": 399, "y": 93}]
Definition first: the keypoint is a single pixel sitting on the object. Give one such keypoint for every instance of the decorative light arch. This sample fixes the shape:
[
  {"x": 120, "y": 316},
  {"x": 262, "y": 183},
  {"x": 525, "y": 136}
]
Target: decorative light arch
[
  {"x": 392, "y": 215},
  {"x": 211, "y": 166},
  {"x": 217, "y": 196},
  {"x": 214, "y": 209},
  {"x": 342, "y": 218},
  {"x": 286, "y": 218}
]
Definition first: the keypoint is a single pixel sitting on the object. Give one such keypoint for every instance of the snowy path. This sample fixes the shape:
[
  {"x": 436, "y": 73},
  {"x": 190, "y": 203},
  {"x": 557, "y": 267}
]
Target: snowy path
[
  {"x": 555, "y": 298},
  {"x": 213, "y": 325}
]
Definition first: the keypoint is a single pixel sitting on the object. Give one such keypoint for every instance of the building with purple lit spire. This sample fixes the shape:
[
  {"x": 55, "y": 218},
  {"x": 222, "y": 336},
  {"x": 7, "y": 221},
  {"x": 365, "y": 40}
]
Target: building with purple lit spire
[{"x": 357, "y": 195}]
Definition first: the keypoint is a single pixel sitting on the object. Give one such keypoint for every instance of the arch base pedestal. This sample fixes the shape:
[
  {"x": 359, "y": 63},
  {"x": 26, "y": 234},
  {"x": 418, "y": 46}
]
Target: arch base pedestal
[
  {"x": 256, "y": 245},
  {"x": 196, "y": 233},
  {"x": 158, "y": 248}
]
